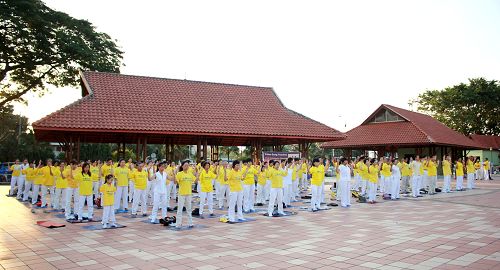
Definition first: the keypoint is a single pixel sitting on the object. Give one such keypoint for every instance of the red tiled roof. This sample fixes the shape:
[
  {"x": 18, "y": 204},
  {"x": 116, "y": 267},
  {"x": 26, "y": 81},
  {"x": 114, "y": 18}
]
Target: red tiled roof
[
  {"x": 487, "y": 141},
  {"x": 416, "y": 129},
  {"x": 137, "y": 104}
]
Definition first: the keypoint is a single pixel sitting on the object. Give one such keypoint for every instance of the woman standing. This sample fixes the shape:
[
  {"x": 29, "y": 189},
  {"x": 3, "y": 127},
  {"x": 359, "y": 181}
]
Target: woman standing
[
  {"x": 84, "y": 180},
  {"x": 447, "y": 174},
  {"x": 471, "y": 172},
  {"x": 396, "y": 178},
  {"x": 160, "y": 182},
  {"x": 316, "y": 184},
  {"x": 276, "y": 175},
  {"x": 206, "y": 178},
  {"x": 345, "y": 182},
  {"x": 61, "y": 186},
  {"x": 122, "y": 174},
  {"x": 235, "y": 178},
  {"x": 459, "y": 172},
  {"x": 185, "y": 179},
  {"x": 372, "y": 181}
]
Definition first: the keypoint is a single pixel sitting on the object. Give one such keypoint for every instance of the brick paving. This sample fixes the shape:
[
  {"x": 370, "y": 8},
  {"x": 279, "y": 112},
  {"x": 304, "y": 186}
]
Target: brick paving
[{"x": 460, "y": 230}]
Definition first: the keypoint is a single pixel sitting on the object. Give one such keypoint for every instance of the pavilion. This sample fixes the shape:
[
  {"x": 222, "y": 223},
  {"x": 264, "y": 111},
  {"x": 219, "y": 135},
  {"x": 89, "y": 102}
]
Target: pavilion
[
  {"x": 392, "y": 131},
  {"x": 126, "y": 109}
]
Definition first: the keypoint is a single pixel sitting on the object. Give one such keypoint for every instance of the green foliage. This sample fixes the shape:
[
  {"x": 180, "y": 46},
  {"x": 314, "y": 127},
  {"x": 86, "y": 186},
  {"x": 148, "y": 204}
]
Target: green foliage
[
  {"x": 40, "y": 46},
  {"x": 229, "y": 152},
  {"x": 466, "y": 108},
  {"x": 16, "y": 141}
]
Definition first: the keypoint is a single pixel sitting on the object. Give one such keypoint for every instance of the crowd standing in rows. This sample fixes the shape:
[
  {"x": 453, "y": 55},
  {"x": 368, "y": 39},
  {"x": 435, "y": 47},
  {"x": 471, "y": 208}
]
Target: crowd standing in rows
[{"x": 237, "y": 186}]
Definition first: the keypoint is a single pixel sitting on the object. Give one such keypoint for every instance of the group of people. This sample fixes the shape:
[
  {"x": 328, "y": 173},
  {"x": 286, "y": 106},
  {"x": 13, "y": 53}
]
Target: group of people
[{"x": 239, "y": 186}]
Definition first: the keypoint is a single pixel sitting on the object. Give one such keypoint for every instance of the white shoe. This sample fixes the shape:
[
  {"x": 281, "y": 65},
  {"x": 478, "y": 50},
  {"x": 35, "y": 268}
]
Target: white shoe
[
  {"x": 104, "y": 226},
  {"x": 113, "y": 225}
]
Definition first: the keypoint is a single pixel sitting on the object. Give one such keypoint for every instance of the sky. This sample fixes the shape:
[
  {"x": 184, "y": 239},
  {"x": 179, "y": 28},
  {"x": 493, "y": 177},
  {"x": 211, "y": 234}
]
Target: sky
[{"x": 333, "y": 61}]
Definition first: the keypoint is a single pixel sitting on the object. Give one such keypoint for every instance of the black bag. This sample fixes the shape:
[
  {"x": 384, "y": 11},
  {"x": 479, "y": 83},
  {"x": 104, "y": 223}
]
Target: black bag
[
  {"x": 362, "y": 199},
  {"x": 437, "y": 190},
  {"x": 196, "y": 212}
]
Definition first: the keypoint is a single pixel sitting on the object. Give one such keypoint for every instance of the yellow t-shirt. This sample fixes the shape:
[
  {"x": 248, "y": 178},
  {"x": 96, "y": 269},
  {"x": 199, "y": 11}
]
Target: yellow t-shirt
[
  {"x": 69, "y": 175},
  {"x": 48, "y": 178},
  {"x": 386, "y": 170},
  {"x": 470, "y": 167},
  {"x": 477, "y": 165},
  {"x": 220, "y": 178},
  {"x": 185, "y": 180},
  {"x": 16, "y": 169},
  {"x": 84, "y": 184},
  {"x": 303, "y": 169},
  {"x": 373, "y": 174},
  {"x": 30, "y": 174},
  {"x": 60, "y": 181},
  {"x": 106, "y": 170},
  {"x": 276, "y": 177},
  {"x": 316, "y": 175},
  {"x": 94, "y": 171},
  {"x": 446, "y": 168},
  {"x": 206, "y": 180},
  {"x": 431, "y": 168},
  {"x": 322, "y": 168},
  {"x": 261, "y": 178},
  {"x": 121, "y": 175},
  {"x": 460, "y": 169},
  {"x": 487, "y": 165},
  {"x": 405, "y": 169},
  {"x": 363, "y": 171},
  {"x": 234, "y": 180},
  {"x": 250, "y": 176},
  {"x": 108, "y": 194},
  {"x": 39, "y": 177},
  {"x": 140, "y": 179}
]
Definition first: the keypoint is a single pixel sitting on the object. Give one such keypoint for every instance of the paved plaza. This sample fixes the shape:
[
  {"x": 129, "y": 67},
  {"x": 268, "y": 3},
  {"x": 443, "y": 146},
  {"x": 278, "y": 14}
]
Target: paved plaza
[{"x": 460, "y": 230}]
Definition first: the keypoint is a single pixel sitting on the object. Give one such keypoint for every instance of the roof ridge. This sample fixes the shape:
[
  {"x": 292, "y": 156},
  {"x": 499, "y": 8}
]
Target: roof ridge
[
  {"x": 412, "y": 122},
  {"x": 171, "y": 79}
]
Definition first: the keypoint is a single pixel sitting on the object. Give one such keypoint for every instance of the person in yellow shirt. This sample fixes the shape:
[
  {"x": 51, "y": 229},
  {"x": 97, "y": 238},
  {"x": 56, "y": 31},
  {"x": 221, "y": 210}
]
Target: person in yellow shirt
[
  {"x": 323, "y": 168},
  {"x": 121, "y": 174},
  {"x": 478, "y": 165},
  {"x": 106, "y": 169},
  {"x": 446, "y": 173},
  {"x": 249, "y": 186},
  {"x": 471, "y": 172},
  {"x": 487, "y": 169},
  {"x": 185, "y": 179},
  {"x": 47, "y": 182},
  {"x": 172, "y": 186},
  {"x": 416, "y": 168},
  {"x": 295, "y": 180},
  {"x": 37, "y": 183},
  {"x": 16, "y": 170},
  {"x": 235, "y": 178},
  {"x": 276, "y": 174},
  {"x": 432, "y": 165},
  {"x": 261, "y": 185},
  {"x": 385, "y": 176},
  {"x": 316, "y": 183},
  {"x": 61, "y": 186},
  {"x": 72, "y": 192},
  {"x": 140, "y": 177},
  {"x": 373, "y": 170},
  {"x": 95, "y": 172},
  {"x": 108, "y": 190},
  {"x": 206, "y": 178},
  {"x": 363, "y": 173},
  {"x": 84, "y": 180},
  {"x": 459, "y": 172},
  {"x": 404, "y": 168},
  {"x": 357, "y": 176},
  {"x": 131, "y": 166},
  {"x": 223, "y": 194},
  {"x": 30, "y": 177}
]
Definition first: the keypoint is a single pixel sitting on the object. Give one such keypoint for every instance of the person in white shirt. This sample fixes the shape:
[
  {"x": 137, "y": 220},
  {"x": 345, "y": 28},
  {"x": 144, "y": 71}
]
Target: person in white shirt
[
  {"x": 396, "y": 177},
  {"x": 415, "y": 180},
  {"x": 345, "y": 182},
  {"x": 160, "y": 192}
]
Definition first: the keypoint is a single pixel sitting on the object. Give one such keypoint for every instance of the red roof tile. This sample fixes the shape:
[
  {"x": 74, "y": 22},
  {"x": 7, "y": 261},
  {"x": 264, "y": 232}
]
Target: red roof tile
[
  {"x": 487, "y": 141},
  {"x": 119, "y": 103},
  {"x": 416, "y": 129}
]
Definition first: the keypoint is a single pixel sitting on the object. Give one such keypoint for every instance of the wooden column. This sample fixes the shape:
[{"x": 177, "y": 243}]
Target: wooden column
[
  {"x": 205, "y": 149},
  {"x": 137, "y": 153},
  {"x": 198, "y": 151},
  {"x": 144, "y": 148},
  {"x": 78, "y": 149}
]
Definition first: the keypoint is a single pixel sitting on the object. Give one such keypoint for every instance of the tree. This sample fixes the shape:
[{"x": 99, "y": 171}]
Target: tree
[
  {"x": 466, "y": 108},
  {"x": 40, "y": 46}
]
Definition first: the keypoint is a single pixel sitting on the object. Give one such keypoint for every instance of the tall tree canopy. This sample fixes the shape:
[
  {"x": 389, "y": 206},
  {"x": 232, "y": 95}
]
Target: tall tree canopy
[
  {"x": 40, "y": 46},
  {"x": 468, "y": 108}
]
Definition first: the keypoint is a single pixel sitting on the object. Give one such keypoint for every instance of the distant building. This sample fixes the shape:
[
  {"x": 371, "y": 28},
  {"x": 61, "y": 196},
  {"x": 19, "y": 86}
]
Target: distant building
[{"x": 491, "y": 145}]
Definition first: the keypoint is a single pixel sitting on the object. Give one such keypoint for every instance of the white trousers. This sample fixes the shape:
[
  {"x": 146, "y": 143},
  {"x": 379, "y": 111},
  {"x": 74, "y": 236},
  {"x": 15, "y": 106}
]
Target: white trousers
[
  {"x": 276, "y": 196},
  {"x": 36, "y": 190},
  {"x": 405, "y": 183},
  {"x": 95, "y": 188},
  {"x": 209, "y": 198},
  {"x": 322, "y": 192},
  {"x": 27, "y": 187},
  {"x": 131, "y": 189},
  {"x": 470, "y": 180},
  {"x": 357, "y": 182},
  {"x": 303, "y": 181},
  {"x": 248, "y": 197},
  {"x": 432, "y": 184},
  {"x": 216, "y": 187},
  {"x": 81, "y": 203},
  {"x": 447, "y": 183},
  {"x": 486, "y": 174},
  {"x": 160, "y": 200},
  {"x": 20, "y": 186},
  {"x": 296, "y": 190},
  {"x": 395, "y": 186},
  {"x": 287, "y": 194},
  {"x": 59, "y": 198},
  {"x": 315, "y": 196},
  {"x": 13, "y": 183},
  {"x": 235, "y": 202},
  {"x": 381, "y": 184},
  {"x": 460, "y": 182},
  {"x": 171, "y": 192},
  {"x": 44, "y": 189},
  {"x": 139, "y": 197},
  {"x": 71, "y": 193},
  {"x": 149, "y": 193},
  {"x": 372, "y": 191},
  {"x": 363, "y": 186},
  {"x": 267, "y": 189},
  {"x": 108, "y": 214},
  {"x": 223, "y": 195},
  {"x": 184, "y": 200},
  {"x": 415, "y": 188},
  {"x": 121, "y": 195},
  {"x": 261, "y": 196},
  {"x": 338, "y": 191},
  {"x": 345, "y": 196}
]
